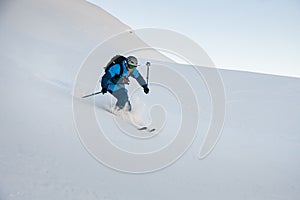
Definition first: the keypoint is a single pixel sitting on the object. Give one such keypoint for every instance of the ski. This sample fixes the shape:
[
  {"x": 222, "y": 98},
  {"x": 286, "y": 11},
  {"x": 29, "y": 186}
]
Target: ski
[{"x": 145, "y": 128}]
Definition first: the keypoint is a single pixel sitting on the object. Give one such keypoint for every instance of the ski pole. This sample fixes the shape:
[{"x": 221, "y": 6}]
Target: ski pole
[
  {"x": 89, "y": 95},
  {"x": 148, "y": 65}
]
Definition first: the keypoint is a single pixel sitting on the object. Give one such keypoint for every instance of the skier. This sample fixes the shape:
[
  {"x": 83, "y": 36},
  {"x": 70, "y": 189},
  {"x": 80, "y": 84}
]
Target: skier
[{"x": 115, "y": 78}]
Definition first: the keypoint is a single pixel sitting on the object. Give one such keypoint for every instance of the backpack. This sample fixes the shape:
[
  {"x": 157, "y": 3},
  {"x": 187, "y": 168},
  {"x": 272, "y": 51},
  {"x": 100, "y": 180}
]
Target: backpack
[{"x": 117, "y": 59}]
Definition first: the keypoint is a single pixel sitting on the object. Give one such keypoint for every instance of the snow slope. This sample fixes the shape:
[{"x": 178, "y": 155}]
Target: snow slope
[{"x": 43, "y": 44}]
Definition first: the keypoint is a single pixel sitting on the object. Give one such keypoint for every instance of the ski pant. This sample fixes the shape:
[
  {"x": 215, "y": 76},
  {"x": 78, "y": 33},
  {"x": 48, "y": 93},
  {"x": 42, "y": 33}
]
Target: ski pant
[{"x": 122, "y": 98}]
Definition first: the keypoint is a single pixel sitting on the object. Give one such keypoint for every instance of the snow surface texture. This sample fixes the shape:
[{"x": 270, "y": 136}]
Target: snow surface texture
[{"x": 41, "y": 156}]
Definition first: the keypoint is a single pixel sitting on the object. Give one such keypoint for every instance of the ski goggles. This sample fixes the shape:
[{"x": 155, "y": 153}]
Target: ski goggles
[{"x": 131, "y": 66}]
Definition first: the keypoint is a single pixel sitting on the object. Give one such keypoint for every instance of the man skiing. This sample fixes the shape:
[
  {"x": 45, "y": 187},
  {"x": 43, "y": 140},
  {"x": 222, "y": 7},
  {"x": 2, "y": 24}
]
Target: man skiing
[{"x": 115, "y": 78}]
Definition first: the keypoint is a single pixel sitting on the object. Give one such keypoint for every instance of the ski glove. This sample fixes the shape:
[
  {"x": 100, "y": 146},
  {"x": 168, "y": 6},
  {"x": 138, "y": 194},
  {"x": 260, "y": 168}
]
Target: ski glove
[
  {"x": 104, "y": 90},
  {"x": 146, "y": 90}
]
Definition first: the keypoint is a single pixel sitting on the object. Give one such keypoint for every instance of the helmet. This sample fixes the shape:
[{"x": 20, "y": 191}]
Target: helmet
[{"x": 131, "y": 60}]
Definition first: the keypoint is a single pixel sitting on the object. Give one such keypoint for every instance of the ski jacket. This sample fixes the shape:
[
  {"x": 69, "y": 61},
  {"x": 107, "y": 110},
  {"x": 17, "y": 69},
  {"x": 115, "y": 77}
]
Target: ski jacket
[{"x": 113, "y": 82}]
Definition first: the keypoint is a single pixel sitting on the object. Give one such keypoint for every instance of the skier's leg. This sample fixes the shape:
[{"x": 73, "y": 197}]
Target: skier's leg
[
  {"x": 128, "y": 105},
  {"x": 122, "y": 98}
]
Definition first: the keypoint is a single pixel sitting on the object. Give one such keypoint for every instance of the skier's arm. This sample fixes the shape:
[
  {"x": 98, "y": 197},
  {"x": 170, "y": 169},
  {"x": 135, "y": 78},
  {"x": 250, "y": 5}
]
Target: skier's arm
[
  {"x": 105, "y": 78},
  {"x": 140, "y": 80},
  {"x": 109, "y": 74}
]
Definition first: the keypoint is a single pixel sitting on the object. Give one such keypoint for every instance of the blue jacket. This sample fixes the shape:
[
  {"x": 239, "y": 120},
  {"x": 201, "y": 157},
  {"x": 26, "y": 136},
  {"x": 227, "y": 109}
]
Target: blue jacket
[{"x": 113, "y": 82}]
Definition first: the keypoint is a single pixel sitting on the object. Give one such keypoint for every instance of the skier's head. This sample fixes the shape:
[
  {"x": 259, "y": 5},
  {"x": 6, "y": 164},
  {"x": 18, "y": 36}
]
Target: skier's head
[{"x": 132, "y": 62}]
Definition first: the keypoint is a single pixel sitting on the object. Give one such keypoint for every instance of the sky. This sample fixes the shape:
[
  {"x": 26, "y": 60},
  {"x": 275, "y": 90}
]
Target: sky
[{"x": 257, "y": 35}]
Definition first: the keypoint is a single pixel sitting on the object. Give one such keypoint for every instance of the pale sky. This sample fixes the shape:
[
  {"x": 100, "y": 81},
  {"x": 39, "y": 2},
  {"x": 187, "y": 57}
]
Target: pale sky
[{"x": 257, "y": 35}]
